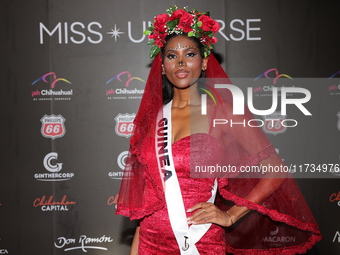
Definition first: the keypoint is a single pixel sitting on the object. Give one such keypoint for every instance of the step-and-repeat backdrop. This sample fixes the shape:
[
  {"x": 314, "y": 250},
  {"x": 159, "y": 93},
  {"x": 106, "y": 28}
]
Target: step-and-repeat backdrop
[{"x": 72, "y": 76}]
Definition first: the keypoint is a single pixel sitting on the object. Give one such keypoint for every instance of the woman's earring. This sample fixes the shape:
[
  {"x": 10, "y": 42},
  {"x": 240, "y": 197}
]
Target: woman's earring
[
  {"x": 163, "y": 72},
  {"x": 203, "y": 72}
]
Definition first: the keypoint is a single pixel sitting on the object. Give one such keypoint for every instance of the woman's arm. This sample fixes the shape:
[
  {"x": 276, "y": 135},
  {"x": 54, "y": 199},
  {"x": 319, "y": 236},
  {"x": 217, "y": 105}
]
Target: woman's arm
[
  {"x": 209, "y": 213},
  {"x": 135, "y": 242}
]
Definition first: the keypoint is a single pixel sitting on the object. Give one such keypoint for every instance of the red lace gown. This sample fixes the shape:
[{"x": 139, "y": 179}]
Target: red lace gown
[
  {"x": 281, "y": 224},
  {"x": 156, "y": 236}
]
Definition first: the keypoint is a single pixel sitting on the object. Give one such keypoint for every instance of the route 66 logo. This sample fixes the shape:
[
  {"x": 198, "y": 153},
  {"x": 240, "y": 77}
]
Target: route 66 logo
[
  {"x": 273, "y": 123},
  {"x": 53, "y": 126}
]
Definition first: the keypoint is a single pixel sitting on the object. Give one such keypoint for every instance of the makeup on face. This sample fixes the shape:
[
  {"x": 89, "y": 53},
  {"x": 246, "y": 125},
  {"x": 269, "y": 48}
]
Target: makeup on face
[{"x": 191, "y": 51}]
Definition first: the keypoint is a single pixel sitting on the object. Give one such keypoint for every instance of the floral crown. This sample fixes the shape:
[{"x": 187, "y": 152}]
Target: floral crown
[{"x": 178, "y": 21}]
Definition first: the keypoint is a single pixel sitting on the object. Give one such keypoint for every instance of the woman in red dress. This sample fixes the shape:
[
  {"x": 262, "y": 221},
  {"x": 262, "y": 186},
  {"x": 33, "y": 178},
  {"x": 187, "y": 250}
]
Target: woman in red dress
[{"x": 166, "y": 184}]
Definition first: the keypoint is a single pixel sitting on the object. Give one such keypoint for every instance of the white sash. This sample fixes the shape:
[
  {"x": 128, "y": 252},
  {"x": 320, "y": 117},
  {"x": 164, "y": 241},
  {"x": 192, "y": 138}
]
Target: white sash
[{"x": 186, "y": 236}]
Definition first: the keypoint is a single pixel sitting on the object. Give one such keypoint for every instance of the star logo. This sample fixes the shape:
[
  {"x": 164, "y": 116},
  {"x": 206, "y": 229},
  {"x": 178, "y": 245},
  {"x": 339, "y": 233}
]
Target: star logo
[{"x": 115, "y": 33}]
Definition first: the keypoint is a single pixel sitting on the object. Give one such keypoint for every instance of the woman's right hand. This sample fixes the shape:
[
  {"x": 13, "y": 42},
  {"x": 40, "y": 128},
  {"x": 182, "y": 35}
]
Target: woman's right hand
[{"x": 135, "y": 243}]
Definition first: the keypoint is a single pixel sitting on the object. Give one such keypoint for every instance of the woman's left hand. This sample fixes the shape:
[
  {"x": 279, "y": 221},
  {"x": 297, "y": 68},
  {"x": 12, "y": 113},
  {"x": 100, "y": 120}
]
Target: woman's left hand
[{"x": 208, "y": 213}]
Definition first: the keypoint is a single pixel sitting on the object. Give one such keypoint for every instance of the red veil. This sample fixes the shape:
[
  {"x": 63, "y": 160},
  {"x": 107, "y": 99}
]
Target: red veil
[{"x": 280, "y": 221}]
